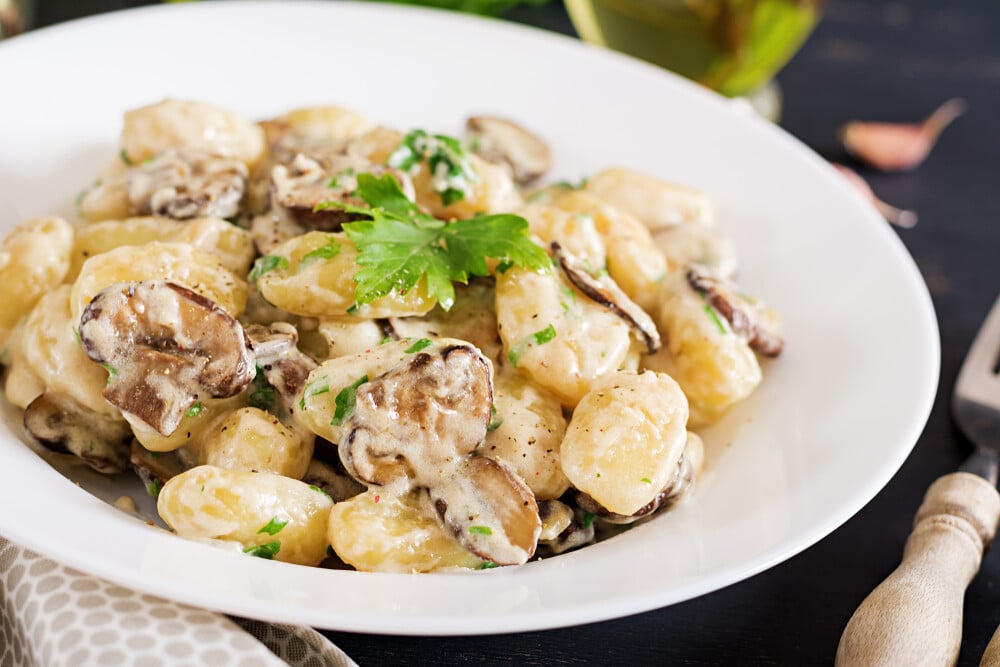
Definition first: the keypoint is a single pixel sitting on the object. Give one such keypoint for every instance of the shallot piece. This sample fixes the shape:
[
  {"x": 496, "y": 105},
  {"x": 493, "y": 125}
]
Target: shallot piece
[
  {"x": 898, "y": 146},
  {"x": 900, "y": 217}
]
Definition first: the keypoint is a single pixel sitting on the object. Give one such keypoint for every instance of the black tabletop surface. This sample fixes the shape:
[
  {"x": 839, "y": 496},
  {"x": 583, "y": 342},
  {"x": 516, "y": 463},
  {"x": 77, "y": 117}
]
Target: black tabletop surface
[{"x": 874, "y": 60}]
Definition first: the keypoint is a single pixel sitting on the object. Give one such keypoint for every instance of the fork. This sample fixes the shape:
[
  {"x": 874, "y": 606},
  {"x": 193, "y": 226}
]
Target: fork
[{"x": 914, "y": 617}]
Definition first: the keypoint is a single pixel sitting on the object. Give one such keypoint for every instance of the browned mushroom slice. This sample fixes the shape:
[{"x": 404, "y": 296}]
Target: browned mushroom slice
[
  {"x": 285, "y": 366},
  {"x": 332, "y": 480},
  {"x": 683, "y": 479},
  {"x": 501, "y": 141},
  {"x": 567, "y": 529},
  {"x": 609, "y": 295},
  {"x": 419, "y": 417},
  {"x": 165, "y": 347},
  {"x": 187, "y": 183},
  {"x": 490, "y": 510},
  {"x": 740, "y": 314},
  {"x": 299, "y": 186},
  {"x": 65, "y": 426},
  {"x": 155, "y": 468}
]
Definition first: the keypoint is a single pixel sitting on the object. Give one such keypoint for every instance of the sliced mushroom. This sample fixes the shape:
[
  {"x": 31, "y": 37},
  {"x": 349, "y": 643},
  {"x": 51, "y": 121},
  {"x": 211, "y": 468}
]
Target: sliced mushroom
[
  {"x": 419, "y": 418},
  {"x": 489, "y": 510},
  {"x": 683, "y": 480},
  {"x": 65, "y": 426},
  {"x": 333, "y": 480},
  {"x": 187, "y": 183},
  {"x": 155, "y": 468},
  {"x": 298, "y": 187},
  {"x": 165, "y": 347},
  {"x": 285, "y": 366},
  {"x": 742, "y": 316},
  {"x": 575, "y": 528},
  {"x": 609, "y": 295},
  {"x": 501, "y": 141}
]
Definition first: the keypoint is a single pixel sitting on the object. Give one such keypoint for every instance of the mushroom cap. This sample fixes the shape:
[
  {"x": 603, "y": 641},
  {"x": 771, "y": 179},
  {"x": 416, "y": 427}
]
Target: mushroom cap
[
  {"x": 502, "y": 141},
  {"x": 745, "y": 319},
  {"x": 165, "y": 348}
]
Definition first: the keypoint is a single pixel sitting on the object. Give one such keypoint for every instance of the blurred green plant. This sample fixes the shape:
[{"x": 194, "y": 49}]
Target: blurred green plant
[{"x": 485, "y": 7}]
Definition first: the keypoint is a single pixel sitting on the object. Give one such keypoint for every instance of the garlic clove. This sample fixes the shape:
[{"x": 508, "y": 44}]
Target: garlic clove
[
  {"x": 900, "y": 217},
  {"x": 898, "y": 146}
]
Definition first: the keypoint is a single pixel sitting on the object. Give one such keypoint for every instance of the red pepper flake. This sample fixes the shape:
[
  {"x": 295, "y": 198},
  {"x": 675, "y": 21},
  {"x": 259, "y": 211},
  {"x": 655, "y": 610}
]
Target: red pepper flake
[
  {"x": 377, "y": 499},
  {"x": 368, "y": 351}
]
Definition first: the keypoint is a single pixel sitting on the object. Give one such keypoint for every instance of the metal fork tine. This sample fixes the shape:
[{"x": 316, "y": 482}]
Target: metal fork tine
[{"x": 977, "y": 381}]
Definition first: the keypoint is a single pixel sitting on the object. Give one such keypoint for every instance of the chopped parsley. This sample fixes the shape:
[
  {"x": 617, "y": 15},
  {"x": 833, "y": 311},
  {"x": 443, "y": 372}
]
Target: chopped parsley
[
  {"x": 328, "y": 251},
  {"x": 387, "y": 339},
  {"x": 194, "y": 410},
  {"x": 496, "y": 422},
  {"x": 319, "y": 490},
  {"x": 544, "y": 336},
  {"x": 421, "y": 344},
  {"x": 514, "y": 356},
  {"x": 337, "y": 182},
  {"x": 488, "y": 565},
  {"x": 267, "y": 551},
  {"x": 263, "y": 396},
  {"x": 401, "y": 245},
  {"x": 569, "y": 185},
  {"x": 76, "y": 336},
  {"x": 153, "y": 488},
  {"x": 588, "y": 520},
  {"x": 273, "y": 526},
  {"x": 646, "y": 480},
  {"x": 449, "y": 163},
  {"x": 112, "y": 371},
  {"x": 267, "y": 263},
  {"x": 480, "y": 530},
  {"x": 125, "y": 158},
  {"x": 311, "y": 391},
  {"x": 344, "y": 403},
  {"x": 714, "y": 316}
]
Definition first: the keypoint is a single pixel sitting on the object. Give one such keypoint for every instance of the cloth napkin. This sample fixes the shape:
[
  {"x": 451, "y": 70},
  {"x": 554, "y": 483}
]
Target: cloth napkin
[{"x": 53, "y": 615}]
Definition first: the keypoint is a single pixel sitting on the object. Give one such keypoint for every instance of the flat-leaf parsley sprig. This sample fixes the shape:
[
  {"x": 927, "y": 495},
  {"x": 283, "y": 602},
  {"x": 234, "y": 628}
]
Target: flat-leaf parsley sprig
[{"x": 401, "y": 244}]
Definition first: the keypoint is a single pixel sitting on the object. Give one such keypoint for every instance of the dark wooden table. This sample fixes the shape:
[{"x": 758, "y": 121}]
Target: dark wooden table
[{"x": 869, "y": 59}]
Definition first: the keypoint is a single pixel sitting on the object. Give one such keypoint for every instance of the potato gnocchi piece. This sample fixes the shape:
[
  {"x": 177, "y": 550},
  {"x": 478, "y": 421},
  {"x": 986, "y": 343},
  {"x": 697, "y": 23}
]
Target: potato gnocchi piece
[
  {"x": 709, "y": 246},
  {"x": 301, "y": 128},
  {"x": 193, "y": 427},
  {"x": 172, "y": 123},
  {"x": 632, "y": 257},
  {"x": 22, "y": 385},
  {"x": 493, "y": 191},
  {"x": 576, "y": 232},
  {"x": 381, "y": 532},
  {"x": 54, "y": 353},
  {"x": 350, "y": 335},
  {"x": 313, "y": 275},
  {"x": 252, "y": 440},
  {"x": 526, "y": 432},
  {"x": 231, "y": 244},
  {"x": 271, "y": 516},
  {"x": 714, "y": 367},
  {"x": 561, "y": 339},
  {"x": 180, "y": 263},
  {"x": 625, "y": 439},
  {"x": 655, "y": 202},
  {"x": 34, "y": 259}
]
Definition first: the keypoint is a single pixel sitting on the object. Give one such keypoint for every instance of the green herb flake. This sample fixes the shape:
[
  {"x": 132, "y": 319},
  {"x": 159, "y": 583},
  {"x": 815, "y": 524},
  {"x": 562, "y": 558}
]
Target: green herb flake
[
  {"x": 401, "y": 246},
  {"x": 329, "y": 552},
  {"x": 112, "y": 371},
  {"x": 514, "y": 356},
  {"x": 488, "y": 565},
  {"x": 266, "y": 551},
  {"x": 714, "y": 316},
  {"x": 125, "y": 158},
  {"x": 76, "y": 336},
  {"x": 480, "y": 530},
  {"x": 154, "y": 455},
  {"x": 263, "y": 396},
  {"x": 646, "y": 480},
  {"x": 345, "y": 401},
  {"x": 588, "y": 520},
  {"x": 153, "y": 488},
  {"x": 448, "y": 162},
  {"x": 267, "y": 263},
  {"x": 194, "y": 410},
  {"x": 203, "y": 488},
  {"x": 319, "y": 490},
  {"x": 337, "y": 182},
  {"x": 387, "y": 339},
  {"x": 311, "y": 391},
  {"x": 90, "y": 446},
  {"x": 544, "y": 336},
  {"x": 328, "y": 251},
  {"x": 421, "y": 344},
  {"x": 495, "y": 424},
  {"x": 273, "y": 526}
]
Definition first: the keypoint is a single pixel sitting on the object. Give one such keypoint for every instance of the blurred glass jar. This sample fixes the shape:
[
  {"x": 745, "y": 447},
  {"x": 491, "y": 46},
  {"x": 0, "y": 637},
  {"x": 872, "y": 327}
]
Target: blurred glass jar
[
  {"x": 15, "y": 16},
  {"x": 734, "y": 47}
]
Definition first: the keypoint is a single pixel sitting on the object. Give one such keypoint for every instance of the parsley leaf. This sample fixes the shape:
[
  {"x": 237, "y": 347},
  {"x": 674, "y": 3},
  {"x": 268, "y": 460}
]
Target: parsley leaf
[
  {"x": 194, "y": 410},
  {"x": 273, "y": 526},
  {"x": 345, "y": 401},
  {"x": 267, "y": 263},
  {"x": 480, "y": 530},
  {"x": 311, "y": 391},
  {"x": 544, "y": 336},
  {"x": 419, "y": 345},
  {"x": 401, "y": 245},
  {"x": 263, "y": 396},
  {"x": 267, "y": 551},
  {"x": 328, "y": 251}
]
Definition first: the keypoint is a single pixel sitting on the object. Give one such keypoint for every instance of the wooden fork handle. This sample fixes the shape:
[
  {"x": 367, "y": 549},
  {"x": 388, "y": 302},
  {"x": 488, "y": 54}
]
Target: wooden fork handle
[{"x": 914, "y": 617}]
